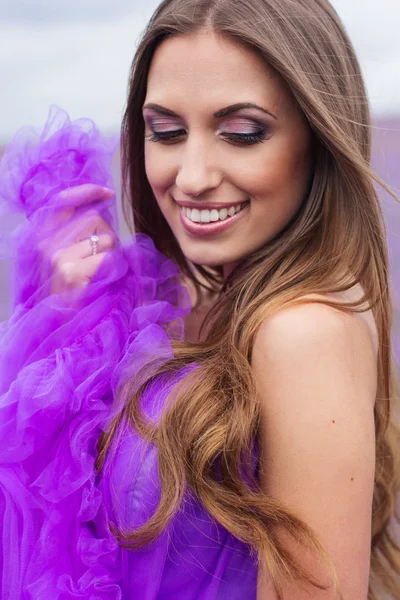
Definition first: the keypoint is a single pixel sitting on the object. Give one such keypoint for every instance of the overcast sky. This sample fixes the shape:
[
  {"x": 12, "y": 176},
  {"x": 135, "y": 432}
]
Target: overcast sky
[{"x": 77, "y": 54}]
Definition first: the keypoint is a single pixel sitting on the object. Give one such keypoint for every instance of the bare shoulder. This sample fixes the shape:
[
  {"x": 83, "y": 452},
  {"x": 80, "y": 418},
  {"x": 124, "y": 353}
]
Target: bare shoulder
[
  {"x": 317, "y": 334},
  {"x": 315, "y": 368}
]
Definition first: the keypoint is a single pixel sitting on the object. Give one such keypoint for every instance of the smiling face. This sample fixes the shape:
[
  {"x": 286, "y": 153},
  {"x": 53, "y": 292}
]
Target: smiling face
[{"x": 227, "y": 181}]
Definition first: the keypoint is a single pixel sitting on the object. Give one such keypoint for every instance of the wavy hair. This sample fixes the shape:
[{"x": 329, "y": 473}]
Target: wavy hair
[{"x": 339, "y": 229}]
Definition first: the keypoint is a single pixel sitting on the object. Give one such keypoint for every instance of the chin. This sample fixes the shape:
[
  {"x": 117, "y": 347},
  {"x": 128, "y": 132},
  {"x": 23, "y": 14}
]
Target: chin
[
  {"x": 200, "y": 260},
  {"x": 208, "y": 254},
  {"x": 209, "y": 260}
]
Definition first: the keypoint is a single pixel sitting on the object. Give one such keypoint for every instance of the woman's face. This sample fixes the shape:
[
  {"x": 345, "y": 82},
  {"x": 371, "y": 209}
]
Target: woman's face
[{"x": 226, "y": 178}]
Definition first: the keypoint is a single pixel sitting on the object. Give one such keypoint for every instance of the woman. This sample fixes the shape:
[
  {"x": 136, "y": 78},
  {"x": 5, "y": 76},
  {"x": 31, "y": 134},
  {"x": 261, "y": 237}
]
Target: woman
[{"x": 253, "y": 452}]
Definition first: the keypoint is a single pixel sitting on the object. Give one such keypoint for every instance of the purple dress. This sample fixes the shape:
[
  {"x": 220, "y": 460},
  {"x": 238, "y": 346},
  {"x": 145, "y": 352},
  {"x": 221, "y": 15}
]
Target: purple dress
[{"x": 63, "y": 358}]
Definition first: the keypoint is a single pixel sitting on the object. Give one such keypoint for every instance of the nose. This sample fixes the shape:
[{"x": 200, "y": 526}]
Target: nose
[{"x": 198, "y": 170}]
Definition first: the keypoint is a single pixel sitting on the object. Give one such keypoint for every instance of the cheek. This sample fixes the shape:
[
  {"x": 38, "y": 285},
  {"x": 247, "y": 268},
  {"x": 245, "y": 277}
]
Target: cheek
[
  {"x": 279, "y": 175},
  {"x": 158, "y": 172}
]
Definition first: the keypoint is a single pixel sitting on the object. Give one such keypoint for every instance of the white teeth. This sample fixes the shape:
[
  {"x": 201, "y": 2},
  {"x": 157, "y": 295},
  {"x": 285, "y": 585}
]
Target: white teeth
[
  {"x": 195, "y": 216},
  {"x": 207, "y": 216}
]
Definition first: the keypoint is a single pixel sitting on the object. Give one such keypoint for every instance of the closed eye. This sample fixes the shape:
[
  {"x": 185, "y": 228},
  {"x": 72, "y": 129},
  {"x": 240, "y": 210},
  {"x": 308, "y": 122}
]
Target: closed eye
[{"x": 240, "y": 138}]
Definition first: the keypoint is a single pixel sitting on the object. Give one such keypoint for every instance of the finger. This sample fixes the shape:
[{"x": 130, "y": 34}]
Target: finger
[
  {"x": 87, "y": 224},
  {"x": 74, "y": 275},
  {"x": 80, "y": 228},
  {"x": 52, "y": 220},
  {"x": 105, "y": 242},
  {"x": 65, "y": 242},
  {"x": 85, "y": 194},
  {"x": 70, "y": 200},
  {"x": 92, "y": 264},
  {"x": 82, "y": 250}
]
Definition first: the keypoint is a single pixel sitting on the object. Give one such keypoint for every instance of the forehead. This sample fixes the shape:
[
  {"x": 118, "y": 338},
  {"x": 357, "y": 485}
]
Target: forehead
[{"x": 212, "y": 69}]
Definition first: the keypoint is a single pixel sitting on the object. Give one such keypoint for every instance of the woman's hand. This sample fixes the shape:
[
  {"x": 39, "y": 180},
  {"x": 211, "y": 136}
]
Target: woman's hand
[{"x": 65, "y": 238}]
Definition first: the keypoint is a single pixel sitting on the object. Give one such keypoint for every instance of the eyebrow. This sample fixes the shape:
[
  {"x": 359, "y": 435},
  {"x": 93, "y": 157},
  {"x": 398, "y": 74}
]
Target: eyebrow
[{"x": 228, "y": 110}]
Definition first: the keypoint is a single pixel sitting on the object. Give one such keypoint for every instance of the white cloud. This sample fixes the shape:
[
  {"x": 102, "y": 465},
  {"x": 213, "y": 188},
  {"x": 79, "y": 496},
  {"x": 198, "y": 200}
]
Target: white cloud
[
  {"x": 82, "y": 65},
  {"x": 52, "y": 10},
  {"x": 374, "y": 30}
]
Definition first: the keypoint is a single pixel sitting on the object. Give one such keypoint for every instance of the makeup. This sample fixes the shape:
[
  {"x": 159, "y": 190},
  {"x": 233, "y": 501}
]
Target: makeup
[{"x": 212, "y": 227}]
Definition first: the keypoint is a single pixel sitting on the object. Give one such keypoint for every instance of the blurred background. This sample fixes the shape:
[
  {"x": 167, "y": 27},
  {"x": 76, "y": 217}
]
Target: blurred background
[{"x": 77, "y": 53}]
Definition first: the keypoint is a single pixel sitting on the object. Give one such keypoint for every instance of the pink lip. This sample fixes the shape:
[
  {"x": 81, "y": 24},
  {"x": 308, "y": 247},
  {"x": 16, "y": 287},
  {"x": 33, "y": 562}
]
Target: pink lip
[
  {"x": 210, "y": 228},
  {"x": 209, "y": 205}
]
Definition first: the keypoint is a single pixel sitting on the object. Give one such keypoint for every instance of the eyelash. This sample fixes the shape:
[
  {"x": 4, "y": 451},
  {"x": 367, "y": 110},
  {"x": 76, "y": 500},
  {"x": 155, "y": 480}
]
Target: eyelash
[{"x": 242, "y": 138}]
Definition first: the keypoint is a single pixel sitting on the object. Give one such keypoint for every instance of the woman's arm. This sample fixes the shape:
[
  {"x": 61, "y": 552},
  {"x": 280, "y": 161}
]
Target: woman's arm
[{"x": 316, "y": 370}]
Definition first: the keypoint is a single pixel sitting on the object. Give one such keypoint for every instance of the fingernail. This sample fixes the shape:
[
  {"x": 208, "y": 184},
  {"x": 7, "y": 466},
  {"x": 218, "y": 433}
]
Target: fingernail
[{"x": 108, "y": 191}]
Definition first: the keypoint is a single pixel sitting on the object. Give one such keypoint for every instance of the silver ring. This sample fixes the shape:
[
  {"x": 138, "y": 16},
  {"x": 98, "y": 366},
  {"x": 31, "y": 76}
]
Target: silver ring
[{"x": 93, "y": 240}]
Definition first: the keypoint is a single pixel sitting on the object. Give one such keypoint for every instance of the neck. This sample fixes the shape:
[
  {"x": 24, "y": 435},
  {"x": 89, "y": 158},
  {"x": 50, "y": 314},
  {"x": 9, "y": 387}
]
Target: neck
[{"x": 227, "y": 269}]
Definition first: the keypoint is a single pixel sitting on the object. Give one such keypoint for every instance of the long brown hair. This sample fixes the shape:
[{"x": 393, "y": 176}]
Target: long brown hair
[{"x": 338, "y": 230}]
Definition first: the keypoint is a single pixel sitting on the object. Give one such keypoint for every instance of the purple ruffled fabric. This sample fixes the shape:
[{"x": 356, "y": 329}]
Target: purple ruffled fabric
[{"x": 63, "y": 358}]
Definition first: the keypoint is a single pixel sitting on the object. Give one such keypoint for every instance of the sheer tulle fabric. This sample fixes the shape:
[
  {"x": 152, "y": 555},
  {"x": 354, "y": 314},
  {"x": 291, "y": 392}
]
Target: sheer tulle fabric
[{"x": 63, "y": 359}]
